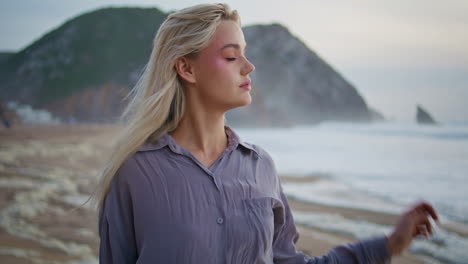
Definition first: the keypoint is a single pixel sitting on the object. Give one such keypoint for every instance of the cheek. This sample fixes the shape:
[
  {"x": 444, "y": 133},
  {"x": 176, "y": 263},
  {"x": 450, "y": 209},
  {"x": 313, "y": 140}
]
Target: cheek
[
  {"x": 215, "y": 72},
  {"x": 216, "y": 76},
  {"x": 220, "y": 66}
]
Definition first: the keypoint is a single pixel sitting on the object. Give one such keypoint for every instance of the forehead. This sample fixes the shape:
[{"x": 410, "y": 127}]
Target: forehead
[{"x": 227, "y": 32}]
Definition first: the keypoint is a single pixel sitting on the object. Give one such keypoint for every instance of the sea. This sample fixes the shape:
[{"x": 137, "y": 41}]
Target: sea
[{"x": 384, "y": 167}]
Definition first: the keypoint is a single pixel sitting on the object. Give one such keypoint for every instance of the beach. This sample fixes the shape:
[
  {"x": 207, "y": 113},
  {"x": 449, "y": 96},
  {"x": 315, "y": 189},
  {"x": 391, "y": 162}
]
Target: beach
[
  {"x": 316, "y": 242},
  {"x": 47, "y": 172}
]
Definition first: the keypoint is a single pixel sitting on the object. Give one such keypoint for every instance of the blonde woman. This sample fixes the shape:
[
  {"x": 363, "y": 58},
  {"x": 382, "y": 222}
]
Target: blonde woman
[{"x": 182, "y": 187}]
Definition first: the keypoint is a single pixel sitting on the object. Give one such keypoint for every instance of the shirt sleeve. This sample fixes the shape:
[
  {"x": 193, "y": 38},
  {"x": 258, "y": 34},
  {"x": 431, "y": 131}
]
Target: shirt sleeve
[
  {"x": 373, "y": 250},
  {"x": 117, "y": 244}
]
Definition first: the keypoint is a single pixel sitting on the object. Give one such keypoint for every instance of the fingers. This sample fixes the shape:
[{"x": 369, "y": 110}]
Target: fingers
[
  {"x": 422, "y": 224},
  {"x": 429, "y": 209},
  {"x": 413, "y": 222},
  {"x": 428, "y": 226},
  {"x": 420, "y": 231},
  {"x": 423, "y": 228}
]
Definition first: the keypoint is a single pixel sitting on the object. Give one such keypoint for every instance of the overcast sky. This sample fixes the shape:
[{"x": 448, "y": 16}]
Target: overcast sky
[{"x": 396, "y": 53}]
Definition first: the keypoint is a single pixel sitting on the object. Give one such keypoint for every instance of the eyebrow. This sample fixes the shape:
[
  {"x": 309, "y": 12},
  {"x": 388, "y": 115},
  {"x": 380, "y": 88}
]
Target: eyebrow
[{"x": 231, "y": 45}]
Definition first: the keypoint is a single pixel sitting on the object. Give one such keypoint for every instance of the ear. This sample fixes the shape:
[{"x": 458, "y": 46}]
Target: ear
[{"x": 185, "y": 69}]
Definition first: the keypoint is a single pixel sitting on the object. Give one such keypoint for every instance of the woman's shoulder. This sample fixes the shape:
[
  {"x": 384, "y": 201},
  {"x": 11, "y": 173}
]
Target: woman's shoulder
[
  {"x": 260, "y": 151},
  {"x": 130, "y": 164},
  {"x": 266, "y": 160},
  {"x": 134, "y": 169},
  {"x": 128, "y": 169}
]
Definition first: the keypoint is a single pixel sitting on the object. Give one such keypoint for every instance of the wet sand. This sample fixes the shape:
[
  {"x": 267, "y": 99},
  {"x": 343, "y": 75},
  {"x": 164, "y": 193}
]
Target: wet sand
[{"x": 45, "y": 171}]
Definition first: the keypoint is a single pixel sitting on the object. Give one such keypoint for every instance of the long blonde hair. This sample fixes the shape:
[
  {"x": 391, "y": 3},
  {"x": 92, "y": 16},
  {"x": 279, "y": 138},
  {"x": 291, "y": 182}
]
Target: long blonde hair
[{"x": 157, "y": 102}]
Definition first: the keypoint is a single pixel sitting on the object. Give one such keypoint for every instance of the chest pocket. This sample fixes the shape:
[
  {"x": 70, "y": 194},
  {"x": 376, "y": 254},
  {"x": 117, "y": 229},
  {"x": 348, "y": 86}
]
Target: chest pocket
[
  {"x": 261, "y": 218},
  {"x": 250, "y": 231}
]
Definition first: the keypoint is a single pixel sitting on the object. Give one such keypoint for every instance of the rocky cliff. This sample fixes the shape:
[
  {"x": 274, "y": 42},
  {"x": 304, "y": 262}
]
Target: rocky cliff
[
  {"x": 294, "y": 85},
  {"x": 81, "y": 70},
  {"x": 78, "y": 70},
  {"x": 4, "y": 56}
]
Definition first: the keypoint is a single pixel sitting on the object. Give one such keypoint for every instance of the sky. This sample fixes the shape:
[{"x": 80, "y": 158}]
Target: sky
[{"x": 396, "y": 53}]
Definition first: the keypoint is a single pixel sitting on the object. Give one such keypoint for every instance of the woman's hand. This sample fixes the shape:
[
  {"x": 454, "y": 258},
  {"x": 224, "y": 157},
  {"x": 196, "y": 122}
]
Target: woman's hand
[{"x": 412, "y": 223}]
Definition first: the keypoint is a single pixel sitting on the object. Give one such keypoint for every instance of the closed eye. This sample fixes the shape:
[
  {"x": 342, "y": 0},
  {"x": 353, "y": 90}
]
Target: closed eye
[{"x": 230, "y": 59}]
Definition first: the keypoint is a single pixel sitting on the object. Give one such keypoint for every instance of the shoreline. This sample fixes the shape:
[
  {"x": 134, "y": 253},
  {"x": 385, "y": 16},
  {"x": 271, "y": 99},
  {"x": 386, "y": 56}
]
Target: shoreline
[
  {"x": 381, "y": 218},
  {"x": 319, "y": 241}
]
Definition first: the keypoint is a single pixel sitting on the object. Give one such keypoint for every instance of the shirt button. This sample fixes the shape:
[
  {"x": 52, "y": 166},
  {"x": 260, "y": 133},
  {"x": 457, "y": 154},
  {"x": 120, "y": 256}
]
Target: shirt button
[{"x": 220, "y": 220}]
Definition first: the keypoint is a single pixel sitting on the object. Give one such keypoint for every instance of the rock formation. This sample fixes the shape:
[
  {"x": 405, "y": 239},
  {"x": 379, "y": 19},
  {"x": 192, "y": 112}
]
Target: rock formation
[{"x": 423, "y": 116}]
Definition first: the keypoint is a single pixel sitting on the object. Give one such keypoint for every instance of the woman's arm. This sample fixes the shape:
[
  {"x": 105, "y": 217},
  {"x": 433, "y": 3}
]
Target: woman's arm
[
  {"x": 373, "y": 250},
  {"x": 116, "y": 227}
]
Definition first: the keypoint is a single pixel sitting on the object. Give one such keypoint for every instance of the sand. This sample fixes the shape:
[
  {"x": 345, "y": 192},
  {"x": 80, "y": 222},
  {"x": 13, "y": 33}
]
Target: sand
[
  {"x": 316, "y": 242},
  {"x": 38, "y": 225}
]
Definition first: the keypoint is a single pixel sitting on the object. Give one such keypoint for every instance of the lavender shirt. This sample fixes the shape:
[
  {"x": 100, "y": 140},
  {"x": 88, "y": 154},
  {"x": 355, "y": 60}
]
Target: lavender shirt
[{"x": 165, "y": 206}]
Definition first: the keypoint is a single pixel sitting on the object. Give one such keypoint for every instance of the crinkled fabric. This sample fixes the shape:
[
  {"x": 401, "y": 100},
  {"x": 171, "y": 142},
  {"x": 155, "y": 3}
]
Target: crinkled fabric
[{"x": 165, "y": 206}]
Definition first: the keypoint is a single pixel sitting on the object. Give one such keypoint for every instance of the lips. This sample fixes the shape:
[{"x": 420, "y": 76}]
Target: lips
[{"x": 246, "y": 85}]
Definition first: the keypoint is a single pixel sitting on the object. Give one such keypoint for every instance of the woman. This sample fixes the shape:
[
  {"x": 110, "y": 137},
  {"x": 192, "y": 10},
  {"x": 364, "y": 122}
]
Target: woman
[{"x": 182, "y": 187}]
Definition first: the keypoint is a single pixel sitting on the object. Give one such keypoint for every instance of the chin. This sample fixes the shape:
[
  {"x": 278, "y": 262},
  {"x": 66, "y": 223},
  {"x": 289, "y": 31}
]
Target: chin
[
  {"x": 246, "y": 101},
  {"x": 238, "y": 104}
]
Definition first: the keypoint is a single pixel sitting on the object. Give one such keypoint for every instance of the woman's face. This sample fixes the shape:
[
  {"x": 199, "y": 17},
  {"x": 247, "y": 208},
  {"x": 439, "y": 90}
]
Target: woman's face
[{"x": 222, "y": 71}]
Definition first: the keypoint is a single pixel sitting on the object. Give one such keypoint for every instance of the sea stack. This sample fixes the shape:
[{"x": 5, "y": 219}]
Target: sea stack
[{"x": 423, "y": 116}]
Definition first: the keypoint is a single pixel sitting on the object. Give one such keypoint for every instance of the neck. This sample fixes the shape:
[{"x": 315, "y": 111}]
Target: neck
[{"x": 201, "y": 131}]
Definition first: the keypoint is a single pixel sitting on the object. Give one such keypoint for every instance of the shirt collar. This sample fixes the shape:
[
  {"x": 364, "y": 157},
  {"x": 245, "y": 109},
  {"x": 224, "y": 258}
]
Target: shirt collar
[{"x": 167, "y": 140}]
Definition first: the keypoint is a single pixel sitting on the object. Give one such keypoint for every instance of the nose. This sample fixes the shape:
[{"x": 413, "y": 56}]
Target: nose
[{"x": 248, "y": 68}]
